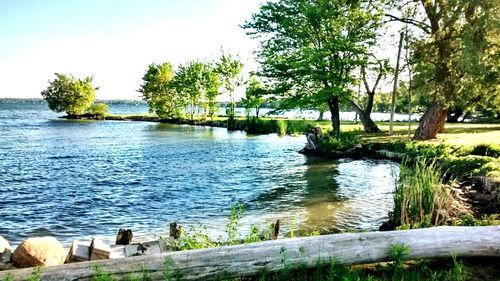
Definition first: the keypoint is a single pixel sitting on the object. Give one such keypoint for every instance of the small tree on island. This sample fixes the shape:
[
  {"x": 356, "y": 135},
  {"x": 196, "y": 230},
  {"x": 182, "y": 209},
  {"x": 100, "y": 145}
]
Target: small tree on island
[{"x": 69, "y": 94}]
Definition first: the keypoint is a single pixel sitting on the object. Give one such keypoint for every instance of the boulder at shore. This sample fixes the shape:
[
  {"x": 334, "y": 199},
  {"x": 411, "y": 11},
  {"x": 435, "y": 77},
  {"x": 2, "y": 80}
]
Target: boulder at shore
[
  {"x": 4, "y": 245},
  {"x": 39, "y": 251}
]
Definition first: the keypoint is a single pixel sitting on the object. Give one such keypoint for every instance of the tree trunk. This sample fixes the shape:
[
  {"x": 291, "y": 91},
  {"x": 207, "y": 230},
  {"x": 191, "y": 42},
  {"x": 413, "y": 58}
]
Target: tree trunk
[
  {"x": 275, "y": 255},
  {"x": 333, "y": 105},
  {"x": 321, "y": 113},
  {"x": 368, "y": 124},
  {"x": 432, "y": 122},
  {"x": 257, "y": 111}
]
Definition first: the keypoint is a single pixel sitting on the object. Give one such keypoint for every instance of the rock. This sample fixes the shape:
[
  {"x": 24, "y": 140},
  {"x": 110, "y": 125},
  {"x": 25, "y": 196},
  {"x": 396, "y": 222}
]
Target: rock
[
  {"x": 39, "y": 251},
  {"x": 4, "y": 245},
  {"x": 6, "y": 256},
  {"x": 6, "y": 266}
]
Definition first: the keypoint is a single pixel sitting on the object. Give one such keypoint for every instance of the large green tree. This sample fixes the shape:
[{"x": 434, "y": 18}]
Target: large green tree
[
  {"x": 159, "y": 91},
  {"x": 69, "y": 94},
  {"x": 311, "y": 47},
  {"x": 457, "y": 59}
]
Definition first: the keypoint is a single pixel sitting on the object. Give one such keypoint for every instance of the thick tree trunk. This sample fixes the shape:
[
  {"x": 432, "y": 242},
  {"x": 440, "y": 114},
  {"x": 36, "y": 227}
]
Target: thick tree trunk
[
  {"x": 333, "y": 105},
  {"x": 368, "y": 124},
  {"x": 251, "y": 259},
  {"x": 432, "y": 122}
]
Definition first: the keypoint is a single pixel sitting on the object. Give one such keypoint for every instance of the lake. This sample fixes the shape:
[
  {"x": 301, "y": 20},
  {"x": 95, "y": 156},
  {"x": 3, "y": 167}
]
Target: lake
[{"x": 77, "y": 179}]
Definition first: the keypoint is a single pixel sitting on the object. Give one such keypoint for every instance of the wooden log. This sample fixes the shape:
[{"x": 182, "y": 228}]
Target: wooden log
[{"x": 249, "y": 259}]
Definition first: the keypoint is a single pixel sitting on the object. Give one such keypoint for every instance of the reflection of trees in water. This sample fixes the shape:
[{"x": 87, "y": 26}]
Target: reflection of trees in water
[
  {"x": 321, "y": 197},
  {"x": 311, "y": 196}
]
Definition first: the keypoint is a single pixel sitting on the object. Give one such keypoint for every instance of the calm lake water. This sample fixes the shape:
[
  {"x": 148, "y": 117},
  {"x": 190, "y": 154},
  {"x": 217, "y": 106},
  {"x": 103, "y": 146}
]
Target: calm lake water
[{"x": 77, "y": 179}]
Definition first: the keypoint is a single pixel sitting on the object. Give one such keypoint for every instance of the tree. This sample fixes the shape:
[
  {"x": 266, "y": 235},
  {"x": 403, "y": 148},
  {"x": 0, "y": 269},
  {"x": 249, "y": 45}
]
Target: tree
[
  {"x": 457, "y": 58},
  {"x": 158, "y": 90},
  {"x": 211, "y": 84},
  {"x": 310, "y": 48},
  {"x": 188, "y": 83},
  {"x": 229, "y": 69},
  {"x": 254, "y": 96},
  {"x": 69, "y": 94},
  {"x": 381, "y": 67}
]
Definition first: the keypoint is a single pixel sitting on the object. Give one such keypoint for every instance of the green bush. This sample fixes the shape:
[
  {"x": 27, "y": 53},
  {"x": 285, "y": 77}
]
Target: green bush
[
  {"x": 98, "y": 109},
  {"x": 256, "y": 125},
  {"x": 299, "y": 126},
  {"x": 343, "y": 142},
  {"x": 470, "y": 165}
]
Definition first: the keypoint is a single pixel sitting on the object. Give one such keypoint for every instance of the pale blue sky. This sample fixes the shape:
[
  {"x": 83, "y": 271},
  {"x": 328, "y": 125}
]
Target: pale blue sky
[{"x": 113, "y": 40}]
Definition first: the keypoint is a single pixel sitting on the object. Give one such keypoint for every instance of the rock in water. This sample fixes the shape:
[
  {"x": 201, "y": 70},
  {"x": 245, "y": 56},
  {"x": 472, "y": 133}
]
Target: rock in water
[
  {"x": 39, "y": 251},
  {"x": 4, "y": 245}
]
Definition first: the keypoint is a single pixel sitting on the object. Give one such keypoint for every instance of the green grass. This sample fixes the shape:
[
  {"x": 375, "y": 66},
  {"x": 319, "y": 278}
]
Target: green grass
[{"x": 421, "y": 199}]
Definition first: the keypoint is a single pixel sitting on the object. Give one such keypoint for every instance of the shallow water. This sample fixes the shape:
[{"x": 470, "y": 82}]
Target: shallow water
[{"x": 77, "y": 179}]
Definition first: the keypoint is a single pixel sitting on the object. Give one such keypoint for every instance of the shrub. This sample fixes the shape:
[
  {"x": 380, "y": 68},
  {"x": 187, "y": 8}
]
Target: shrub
[
  {"x": 299, "y": 126},
  {"x": 470, "y": 165},
  {"x": 98, "y": 109},
  {"x": 343, "y": 142},
  {"x": 256, "y": 125}
]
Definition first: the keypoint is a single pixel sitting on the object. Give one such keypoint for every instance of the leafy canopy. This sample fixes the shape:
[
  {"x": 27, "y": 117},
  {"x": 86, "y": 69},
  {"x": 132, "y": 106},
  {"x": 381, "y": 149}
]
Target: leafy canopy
[
  {"x": 69, "y": 94},
  {"x": 309, "y": 49},
  {"x": 159, "y": 91}
]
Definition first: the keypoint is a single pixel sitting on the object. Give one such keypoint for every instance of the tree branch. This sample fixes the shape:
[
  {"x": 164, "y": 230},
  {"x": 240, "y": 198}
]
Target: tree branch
[{"x": 422, "y": 25}]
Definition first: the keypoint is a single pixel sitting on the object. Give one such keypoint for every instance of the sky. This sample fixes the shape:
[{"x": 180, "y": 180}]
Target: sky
[{"x": 114, "y": 41}]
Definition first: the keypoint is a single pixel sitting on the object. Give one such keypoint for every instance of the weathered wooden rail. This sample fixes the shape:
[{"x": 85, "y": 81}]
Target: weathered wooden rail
[{"x": 250, "y": 259}]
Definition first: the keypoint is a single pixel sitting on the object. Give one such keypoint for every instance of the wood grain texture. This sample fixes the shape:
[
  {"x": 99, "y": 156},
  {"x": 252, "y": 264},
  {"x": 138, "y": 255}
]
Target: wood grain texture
[{"x": 249, "y": 259}]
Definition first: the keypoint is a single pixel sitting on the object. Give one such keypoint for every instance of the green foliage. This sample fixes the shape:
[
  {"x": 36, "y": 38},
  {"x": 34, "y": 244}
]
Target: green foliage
[
  {"x": 421, "y": 199},
  {"x": 471, "y": 165},
  {"x": 308, "y": 49},
  {"x": 98, "y": 109},
  {"x": 282, "y": 127},
  {"x": 343, "y": 142},
  {"x": 8, "y": 277},
  {"x": 159, "y": 91},
  {"x": 470, "y": 220},
  {"x": 101, "y": 275},
  {"x": 399, "y": 253},
  {"x": 70, "y": 95},
  {"x": 229, "y": 69},
  {"x": 254, "y": 96},
  {"x": 256, "y": 125},
  {"x": 35, "y": 275},
  {"x": 233, "y": 225},
  {"x": 195, "y": 239}
]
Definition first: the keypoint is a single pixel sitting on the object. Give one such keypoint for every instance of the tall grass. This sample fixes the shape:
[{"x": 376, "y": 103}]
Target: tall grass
[
  {"x": 421, "y": 198},
  {"x": 282, "y": 127},
  {"x": 343, "y": 142}
]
